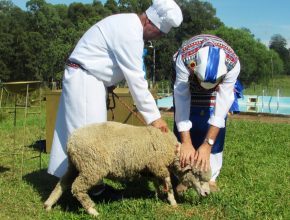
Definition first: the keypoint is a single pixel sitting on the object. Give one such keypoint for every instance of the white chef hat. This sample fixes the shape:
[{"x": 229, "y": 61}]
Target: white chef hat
[
  {"x": 210, "y": 66},
  {"x": 164, "y": 14}
]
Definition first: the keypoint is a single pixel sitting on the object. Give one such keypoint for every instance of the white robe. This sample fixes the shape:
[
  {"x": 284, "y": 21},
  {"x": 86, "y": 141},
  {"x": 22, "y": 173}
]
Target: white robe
[{"x": 110, "y": 51}]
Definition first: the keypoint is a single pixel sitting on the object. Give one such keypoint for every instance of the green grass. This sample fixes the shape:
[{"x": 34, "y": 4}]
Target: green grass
[
  {"x": 254, "y": 181},
  {"x": 281, "y": 83}
]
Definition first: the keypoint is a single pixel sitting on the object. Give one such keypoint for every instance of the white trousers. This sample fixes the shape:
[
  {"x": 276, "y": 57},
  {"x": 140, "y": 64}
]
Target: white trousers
[
  {"x": 82, "y": 102},
  {"x": 216, "y": 162}
]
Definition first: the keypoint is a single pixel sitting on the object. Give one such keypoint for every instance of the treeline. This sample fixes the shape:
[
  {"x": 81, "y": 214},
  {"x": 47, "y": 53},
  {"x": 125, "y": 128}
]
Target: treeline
[{"x": 35, "y": 43}]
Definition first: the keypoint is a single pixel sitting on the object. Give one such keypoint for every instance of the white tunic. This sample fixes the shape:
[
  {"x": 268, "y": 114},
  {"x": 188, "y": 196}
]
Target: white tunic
[
  {"x": 112, "y": 50},
  {"x": 109, "y": 51},
  {"x": 182, "y": 97}
]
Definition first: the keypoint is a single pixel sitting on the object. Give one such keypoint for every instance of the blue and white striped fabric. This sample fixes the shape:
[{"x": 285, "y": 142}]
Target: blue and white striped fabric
[
  {"x": 213, "y": 60},
  {"x": 210, "y": 66},
  {"x": 209, "y": 58}
]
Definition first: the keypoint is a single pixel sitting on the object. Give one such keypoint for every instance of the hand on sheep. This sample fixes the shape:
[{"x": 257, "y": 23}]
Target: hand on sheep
[
  {"x": 187, "y": 155},
  {"x": 160, "y": 124},
  {"x": 203, "y": 156}
]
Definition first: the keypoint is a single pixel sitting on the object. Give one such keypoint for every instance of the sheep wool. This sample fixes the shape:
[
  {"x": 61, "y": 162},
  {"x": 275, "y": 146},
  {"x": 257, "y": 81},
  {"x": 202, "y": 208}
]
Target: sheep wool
[{"x": 120, "y": 151}]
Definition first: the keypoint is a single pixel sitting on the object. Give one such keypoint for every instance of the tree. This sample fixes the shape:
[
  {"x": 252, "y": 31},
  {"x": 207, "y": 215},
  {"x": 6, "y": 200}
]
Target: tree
[
  {"x": 6, "y": 52},
  {"x": 6, "y": 5},
  {"x": 112, "y": 5},
  {"x": 136, "y": 6},
  {"x": 255, "y": 58},
  {"x": 198, "y": 16},
  {"x": 278, "y": 44},
  {"x": 12, "y": 24},
  {"x": 34, "y": 44}
]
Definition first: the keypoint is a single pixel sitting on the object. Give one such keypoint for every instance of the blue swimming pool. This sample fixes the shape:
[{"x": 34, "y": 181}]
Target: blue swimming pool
[
  {"x": 166, "y": 102},
  {"x": 249, "y": 103},
  {"x": 265, "y": 104}
]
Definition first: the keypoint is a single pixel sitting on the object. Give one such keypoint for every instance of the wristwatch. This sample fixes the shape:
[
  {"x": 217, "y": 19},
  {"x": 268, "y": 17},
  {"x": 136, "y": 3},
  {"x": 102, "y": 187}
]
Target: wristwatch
[{"x": 209, "y": 141}]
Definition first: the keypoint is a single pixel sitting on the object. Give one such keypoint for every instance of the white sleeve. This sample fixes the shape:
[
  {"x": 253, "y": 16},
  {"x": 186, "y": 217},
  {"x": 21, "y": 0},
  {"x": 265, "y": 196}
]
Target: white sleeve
[
  {"x": 128, "y": 55},
  {"x": 182, "y": 97},
  {"x": 224, "y": 97}
]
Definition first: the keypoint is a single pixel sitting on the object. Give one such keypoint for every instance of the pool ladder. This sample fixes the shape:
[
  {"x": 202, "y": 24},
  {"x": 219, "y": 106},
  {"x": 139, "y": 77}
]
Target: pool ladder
[
  {"x": 252, "y": 104},
  {"x": 278, "y": 100}
]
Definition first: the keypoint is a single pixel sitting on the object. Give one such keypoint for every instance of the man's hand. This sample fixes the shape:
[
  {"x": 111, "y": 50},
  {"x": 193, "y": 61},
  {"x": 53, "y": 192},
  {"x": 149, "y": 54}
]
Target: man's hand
[
  {"x": 203, "y": 156},
  {"x": 160, "y": 124},
  {"x": 187, "y": 155}
]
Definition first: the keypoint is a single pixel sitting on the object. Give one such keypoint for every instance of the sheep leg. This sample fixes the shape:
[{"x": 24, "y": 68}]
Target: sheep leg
[
  {"x": 157, "y": 187},
  {"x": 165, "y": 175},
  {"x": 80, "y": 188},
  {"x": 170, "y": 193},
  {"x": 54, "y": 196},
  {"x": 64, "y": 183}
]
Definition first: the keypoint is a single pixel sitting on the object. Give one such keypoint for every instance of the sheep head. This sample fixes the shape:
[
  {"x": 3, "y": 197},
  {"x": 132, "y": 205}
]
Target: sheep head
[
  {"x": 191, "y": 177},
  {"x": 194, "y": 178}
]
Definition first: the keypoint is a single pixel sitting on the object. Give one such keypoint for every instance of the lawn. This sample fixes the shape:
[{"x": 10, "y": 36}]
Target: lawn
[
  {"x": 255, "y": 180},
  {"x": 280, "y": 83},
  {"x": 271, "y": 88}
]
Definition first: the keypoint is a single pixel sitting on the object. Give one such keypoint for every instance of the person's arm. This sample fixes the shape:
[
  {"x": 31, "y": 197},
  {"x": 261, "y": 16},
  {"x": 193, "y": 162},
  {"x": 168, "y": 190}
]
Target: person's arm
[
  {"x": 224, "y": 97},
  {"x": 224, "y": 100},
  {"x": 203, "y": 153},
  {"x": 128, "y": 55},
  {"x": 182, "y": 101}
]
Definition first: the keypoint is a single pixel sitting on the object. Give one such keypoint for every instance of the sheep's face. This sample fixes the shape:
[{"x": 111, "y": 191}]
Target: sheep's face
[
  {"x": 193, "y": 178},
  {"x": 190, "y": 177}
]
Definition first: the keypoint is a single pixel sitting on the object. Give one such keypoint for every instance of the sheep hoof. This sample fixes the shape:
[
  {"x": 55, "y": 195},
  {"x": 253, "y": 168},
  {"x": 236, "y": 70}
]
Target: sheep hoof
[
  {"x": 93, "y": 212},
  {"x": 172, "y": 202},
  {"x": 174, "y": 206},
  {"x": 47, "y": 207}
]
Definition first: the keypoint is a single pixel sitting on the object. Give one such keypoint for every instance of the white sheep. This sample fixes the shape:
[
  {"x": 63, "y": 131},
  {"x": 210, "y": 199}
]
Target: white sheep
[{"x": 119, "y": 151}]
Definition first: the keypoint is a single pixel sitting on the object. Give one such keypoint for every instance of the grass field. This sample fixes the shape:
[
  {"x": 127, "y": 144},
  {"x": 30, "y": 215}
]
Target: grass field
[
  {"x": 280, "y": 83},
  {"x": 255, "y": 180}
]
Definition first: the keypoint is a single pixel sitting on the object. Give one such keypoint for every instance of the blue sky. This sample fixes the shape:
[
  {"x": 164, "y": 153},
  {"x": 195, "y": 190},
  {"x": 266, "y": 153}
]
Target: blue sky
[{"x": 264, "y": 18}]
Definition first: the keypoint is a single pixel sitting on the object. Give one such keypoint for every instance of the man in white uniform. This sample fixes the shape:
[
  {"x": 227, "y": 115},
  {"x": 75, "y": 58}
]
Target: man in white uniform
[
  {"x": 108, "y": 52},
  {"x": 206, "y": 72}
]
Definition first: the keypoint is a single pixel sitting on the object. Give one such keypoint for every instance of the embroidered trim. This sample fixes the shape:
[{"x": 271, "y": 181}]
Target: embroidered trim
[{"x": 189, "y": 49}]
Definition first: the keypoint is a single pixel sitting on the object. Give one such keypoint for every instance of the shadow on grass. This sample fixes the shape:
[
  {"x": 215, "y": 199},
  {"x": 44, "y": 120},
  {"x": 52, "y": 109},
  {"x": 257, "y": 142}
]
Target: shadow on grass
[
  {"x": 41, "y": 181},
  {"x": 38, "y": 145},
  {"x": 44, "y": 184},
  {"x": 4, "y": 169}
]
